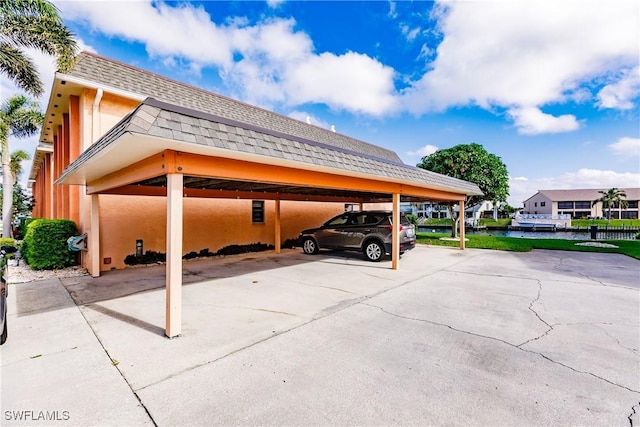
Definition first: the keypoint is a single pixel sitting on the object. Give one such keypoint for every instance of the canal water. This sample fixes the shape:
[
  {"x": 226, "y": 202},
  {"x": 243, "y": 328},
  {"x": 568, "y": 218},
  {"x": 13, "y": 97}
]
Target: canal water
[{"x": 568, "y": 235}]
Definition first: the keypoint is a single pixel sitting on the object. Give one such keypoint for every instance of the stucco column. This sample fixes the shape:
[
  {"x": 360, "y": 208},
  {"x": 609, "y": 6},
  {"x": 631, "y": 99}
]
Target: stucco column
[
  {"x": 74, "y": 153},
  {"x": 173, "y": 316},
  {"x": 94, "y": 237},
  {"x": 278, "y": 227},
  {"x": 51, "y": 192},
  {"x": 462, "y": 219},
  {"x": 395, "y": 240}
]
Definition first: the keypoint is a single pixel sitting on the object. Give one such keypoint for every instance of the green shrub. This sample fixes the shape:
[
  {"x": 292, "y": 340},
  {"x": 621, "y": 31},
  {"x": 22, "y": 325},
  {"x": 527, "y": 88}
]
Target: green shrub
[
  {"x": 243, "y": 249},
  {"x": 152, "y": 257},
  {"x": 290, "y": 243},
  {"x": 205, "y": 253},
  {"x": 7, "y": 241},
  {"x": 24, "y": 224},
  {"x": 149, "y": 257},
  {"x": 45, "y": 244},
  {"x": 190, "y": 255}
]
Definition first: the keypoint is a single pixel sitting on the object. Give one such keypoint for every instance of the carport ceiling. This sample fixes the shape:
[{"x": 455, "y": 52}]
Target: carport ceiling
[{"x": 246, "y": 189}]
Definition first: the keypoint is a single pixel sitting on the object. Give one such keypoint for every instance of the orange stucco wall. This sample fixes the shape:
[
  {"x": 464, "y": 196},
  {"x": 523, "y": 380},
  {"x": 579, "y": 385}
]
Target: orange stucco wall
[{"x": 208, "y": 223}]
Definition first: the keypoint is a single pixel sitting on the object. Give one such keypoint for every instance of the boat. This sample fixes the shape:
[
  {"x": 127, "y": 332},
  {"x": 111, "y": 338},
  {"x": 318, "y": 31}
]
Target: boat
[{"x": 537, "y": 225}]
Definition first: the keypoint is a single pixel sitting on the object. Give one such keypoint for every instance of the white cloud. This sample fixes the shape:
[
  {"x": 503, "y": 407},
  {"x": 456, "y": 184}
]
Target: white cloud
[
  {"x": 621, "y": 93},
  {"x": 410, "y": 33},
  {"x": 351, "y": 82},
  {"x": 535, "y": 53},
  {"x": 269, "y": 62},
  {"x": 393, "y": 13},
  {"x": 626, "y": 147},
  {"x": 525, "y": 54},
  {"x": 522, "y": 188},
  {"x": 165, "y": 30},
  {"x": 275, "y": 3},
  {"x": 532, "y": 121},
  {"x": 426, "y": 150}
]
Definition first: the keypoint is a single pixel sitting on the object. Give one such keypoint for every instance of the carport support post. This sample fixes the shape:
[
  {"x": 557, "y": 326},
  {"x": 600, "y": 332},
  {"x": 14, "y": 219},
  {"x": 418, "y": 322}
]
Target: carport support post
[
  {"x": 94, "y": 237},
  {"x": 278, "y": 238},
  {"x": 395, "y": 239},
  {"x": 462, "y": 219},
  {"x": 174, "y": 255}
]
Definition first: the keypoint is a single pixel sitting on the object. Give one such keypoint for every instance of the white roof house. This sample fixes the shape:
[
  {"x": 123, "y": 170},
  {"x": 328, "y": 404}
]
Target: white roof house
[{"x": 580, "y": 203}]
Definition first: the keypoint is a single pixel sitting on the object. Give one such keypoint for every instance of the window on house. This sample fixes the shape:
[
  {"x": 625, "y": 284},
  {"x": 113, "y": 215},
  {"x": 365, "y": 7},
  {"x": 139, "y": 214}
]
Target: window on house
[
  {"x": 257, "y": 211},
  {"x": 565, "y": 205},
  {"x": 535, "y": 204},
  {"x": 543, "y": 203},
  {"x": 633, "y": 204},
  {"x": 583, "y": 205}
]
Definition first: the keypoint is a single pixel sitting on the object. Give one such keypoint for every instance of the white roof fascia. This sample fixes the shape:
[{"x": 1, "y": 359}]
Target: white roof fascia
[{"x": 107, "y": 89}]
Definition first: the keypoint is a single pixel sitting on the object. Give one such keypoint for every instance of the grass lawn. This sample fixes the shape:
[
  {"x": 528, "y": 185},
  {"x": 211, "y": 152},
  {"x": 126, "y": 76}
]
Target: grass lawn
[
  {"x": 517, "y": 244},
  {"x": 583, "y": 223}
]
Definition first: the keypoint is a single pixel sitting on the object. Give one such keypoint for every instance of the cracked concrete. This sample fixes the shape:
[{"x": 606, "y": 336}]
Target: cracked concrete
[
  {"x": 474, "y": 337},
  {"x": 538, "y": 316},
  {"x": 634, "y": 420}
]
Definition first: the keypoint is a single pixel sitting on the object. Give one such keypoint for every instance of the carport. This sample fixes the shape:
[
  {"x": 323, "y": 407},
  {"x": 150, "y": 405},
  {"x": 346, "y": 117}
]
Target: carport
[{"x": 161, "y": 149}]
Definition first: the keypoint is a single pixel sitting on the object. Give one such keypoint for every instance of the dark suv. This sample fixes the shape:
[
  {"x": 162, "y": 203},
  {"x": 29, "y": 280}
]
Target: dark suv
[
  {"x": 366, "y": 231},
  {"x": 4, "y": 289}
]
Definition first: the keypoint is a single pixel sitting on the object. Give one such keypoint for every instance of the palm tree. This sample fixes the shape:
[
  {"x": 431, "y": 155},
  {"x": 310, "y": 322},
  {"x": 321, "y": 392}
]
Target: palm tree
[
  {"x": 612, "y": 197},
  {"x": 32, "y": 24},
  {"x": 15, "y": 164},
  {"x": 19, "y": 117}
]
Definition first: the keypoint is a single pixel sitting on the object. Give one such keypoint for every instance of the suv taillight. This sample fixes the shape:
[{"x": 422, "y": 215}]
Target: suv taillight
[{"x": 390, "y": 227}]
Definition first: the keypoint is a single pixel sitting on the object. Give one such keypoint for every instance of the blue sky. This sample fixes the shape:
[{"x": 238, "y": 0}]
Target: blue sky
[{"x": 551, "y": 87}]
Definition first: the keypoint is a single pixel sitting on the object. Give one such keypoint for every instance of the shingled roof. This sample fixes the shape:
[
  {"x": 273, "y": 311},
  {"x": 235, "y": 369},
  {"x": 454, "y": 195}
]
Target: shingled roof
[
  {"x": 176, "y": 123},
  {"x": 114, "y": 74},
  {"x": 585, "y": 194}
]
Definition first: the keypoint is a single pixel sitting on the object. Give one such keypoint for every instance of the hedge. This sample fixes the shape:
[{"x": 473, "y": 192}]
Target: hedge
[
  {"x": 8, "y": 241},
  {"x": 45, "y": 244}
]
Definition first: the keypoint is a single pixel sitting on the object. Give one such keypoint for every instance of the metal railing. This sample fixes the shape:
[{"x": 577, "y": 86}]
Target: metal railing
[{"x": 613, "y": 233}]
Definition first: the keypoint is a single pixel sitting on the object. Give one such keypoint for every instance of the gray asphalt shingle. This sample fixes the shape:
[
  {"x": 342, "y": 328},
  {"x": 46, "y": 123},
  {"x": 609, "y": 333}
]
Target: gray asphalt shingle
[
  {"x": 175, "y": 122},
  {"x": 124, "y": 77}
]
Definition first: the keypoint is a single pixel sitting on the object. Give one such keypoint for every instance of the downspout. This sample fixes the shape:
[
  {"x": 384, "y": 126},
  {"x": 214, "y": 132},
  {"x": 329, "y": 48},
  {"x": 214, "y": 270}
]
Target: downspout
[
  {"x": 94, "y": 225},
  {"x": 94, "y": 116},
  {"x": 51, "y": 214}
]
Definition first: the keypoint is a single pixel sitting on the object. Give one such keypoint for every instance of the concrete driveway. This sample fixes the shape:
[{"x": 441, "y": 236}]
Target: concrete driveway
[{"x": 454, "y": 337}]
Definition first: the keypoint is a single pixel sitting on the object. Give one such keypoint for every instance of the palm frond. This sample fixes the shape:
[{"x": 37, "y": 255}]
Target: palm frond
[
  {"x": 33, "y": 24},
  {"x": 28, "y": 7},
  {"x": 44, "y": 34},
  {"x": 21, "y": 69},
  {"x": 26, "y": 123},
  {"x": 16, "y": 162},
  {"x": 21, "y": 116}
]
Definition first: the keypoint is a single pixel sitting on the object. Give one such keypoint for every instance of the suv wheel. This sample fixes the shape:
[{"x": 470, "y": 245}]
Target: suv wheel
[
  {"x": 309, "y": 246},
  {"x": 373, "y": 251}
]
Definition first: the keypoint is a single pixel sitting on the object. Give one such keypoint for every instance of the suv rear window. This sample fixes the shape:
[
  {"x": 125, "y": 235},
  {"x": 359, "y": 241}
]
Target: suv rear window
[
  {"x": 374, "y": 218},
  {"x": 339, "y": 220}
]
